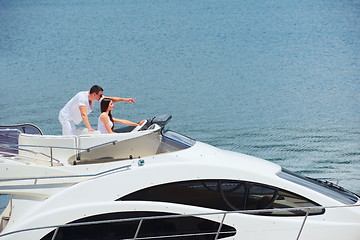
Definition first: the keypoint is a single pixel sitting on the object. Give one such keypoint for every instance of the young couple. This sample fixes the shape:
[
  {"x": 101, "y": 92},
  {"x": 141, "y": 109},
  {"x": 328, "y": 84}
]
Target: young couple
[{"x": 79, "y": 107}]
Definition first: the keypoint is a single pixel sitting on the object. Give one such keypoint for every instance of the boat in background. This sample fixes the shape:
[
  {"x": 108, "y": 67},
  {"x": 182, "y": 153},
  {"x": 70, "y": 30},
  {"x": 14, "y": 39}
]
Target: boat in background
[{"x": 153, "y": 183}]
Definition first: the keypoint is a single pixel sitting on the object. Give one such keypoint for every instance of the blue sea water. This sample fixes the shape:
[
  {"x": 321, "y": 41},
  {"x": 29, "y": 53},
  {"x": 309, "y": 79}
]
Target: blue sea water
[{"x": 275, "y": 79}]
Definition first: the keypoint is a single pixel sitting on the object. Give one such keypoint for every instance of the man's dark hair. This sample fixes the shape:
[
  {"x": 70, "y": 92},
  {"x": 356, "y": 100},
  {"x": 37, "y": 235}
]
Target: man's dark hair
[{"x": 96, "y": 89}]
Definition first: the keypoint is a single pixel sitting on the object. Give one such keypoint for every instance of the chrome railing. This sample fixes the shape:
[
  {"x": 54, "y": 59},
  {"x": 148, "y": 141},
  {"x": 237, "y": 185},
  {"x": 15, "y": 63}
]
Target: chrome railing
[
  {"x": 126, "y": 167},
  {"x": 18, "y": 147},
  {"x": 141, "y": 220},
  {"x": 51, "y": 157},
  {"x": 338, "y": 180},
  {"x": 24, "y": 147}
]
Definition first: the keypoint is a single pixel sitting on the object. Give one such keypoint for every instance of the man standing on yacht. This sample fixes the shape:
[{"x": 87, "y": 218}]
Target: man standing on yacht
[{"x": 79, "y": 107}]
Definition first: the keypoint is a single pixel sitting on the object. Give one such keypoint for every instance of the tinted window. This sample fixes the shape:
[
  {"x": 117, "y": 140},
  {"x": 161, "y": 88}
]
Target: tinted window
[
  {"x": 226, "y": 195},
  {"x": 193, "y": 227}
]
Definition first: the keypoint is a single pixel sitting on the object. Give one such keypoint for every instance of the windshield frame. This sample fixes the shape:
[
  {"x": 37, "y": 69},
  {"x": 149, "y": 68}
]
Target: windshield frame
[{"x": 323, "y": 187}]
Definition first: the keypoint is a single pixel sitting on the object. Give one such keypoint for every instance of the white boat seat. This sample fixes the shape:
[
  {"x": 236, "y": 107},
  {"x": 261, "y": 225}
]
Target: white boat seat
[{"x": 42, "y": 154}]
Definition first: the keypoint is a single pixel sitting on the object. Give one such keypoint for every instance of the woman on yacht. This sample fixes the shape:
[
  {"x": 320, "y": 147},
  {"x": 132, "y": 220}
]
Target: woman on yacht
[{"x": 106, "y": 121}]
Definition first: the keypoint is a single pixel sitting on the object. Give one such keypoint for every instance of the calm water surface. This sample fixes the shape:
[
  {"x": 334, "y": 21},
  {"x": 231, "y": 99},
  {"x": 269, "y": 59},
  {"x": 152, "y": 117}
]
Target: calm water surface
[{"x": 274, "y": 79}]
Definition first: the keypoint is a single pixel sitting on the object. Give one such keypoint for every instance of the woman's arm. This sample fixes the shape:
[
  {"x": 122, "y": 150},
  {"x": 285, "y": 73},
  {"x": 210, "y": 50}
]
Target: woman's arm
[{"x": 126, "y": 122}]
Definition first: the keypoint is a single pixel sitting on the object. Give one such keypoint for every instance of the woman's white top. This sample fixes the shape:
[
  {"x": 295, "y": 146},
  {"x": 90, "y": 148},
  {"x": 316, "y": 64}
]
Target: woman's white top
[{"x": 101, "y": 126}]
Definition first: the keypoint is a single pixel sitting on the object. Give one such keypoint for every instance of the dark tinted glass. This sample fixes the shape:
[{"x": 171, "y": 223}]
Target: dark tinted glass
[
  {"x": 9, "y": 135},
  {"x": 226, "y": 195},
  {"x": 192, "y": 228}
]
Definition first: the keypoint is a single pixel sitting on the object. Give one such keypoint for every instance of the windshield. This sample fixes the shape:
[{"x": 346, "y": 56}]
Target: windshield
[
  {"x": 172, "y": 141},
  {"x": 329, "y": 189},
  {"x": 181, "y": 139}
]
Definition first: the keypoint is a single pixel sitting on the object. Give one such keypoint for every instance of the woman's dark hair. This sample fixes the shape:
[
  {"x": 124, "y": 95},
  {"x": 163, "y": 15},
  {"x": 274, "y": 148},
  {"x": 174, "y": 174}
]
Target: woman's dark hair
[
  {"x": 96, "y": 89},
  {"x": 104, "y": 104}
]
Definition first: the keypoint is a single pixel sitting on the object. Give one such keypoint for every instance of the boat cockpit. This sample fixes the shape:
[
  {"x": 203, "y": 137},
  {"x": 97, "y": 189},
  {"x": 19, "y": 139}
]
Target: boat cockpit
[{"x": 26, "y": 142}]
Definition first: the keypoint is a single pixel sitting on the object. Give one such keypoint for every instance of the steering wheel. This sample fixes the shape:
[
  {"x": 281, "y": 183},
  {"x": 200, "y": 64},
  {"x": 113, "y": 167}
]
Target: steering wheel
[{"x": 138, "y": 128}]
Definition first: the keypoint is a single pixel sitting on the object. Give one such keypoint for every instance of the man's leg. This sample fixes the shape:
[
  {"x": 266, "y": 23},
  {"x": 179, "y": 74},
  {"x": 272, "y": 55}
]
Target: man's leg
[{"x": 68, "y": 127}]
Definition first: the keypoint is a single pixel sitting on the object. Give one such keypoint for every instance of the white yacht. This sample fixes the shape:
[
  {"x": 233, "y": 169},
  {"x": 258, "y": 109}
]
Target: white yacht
[{"x": 152, "y": 183}]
